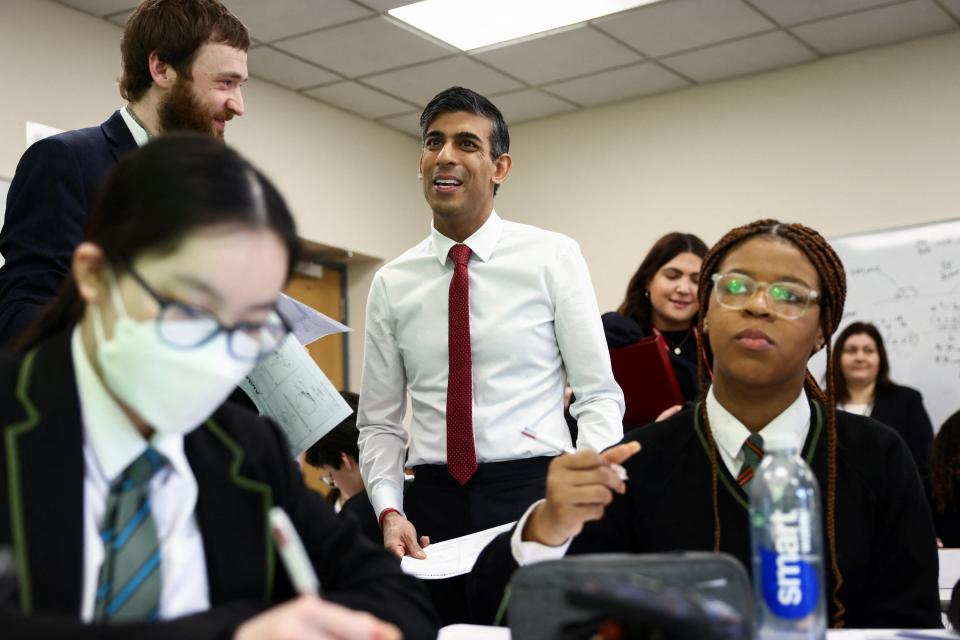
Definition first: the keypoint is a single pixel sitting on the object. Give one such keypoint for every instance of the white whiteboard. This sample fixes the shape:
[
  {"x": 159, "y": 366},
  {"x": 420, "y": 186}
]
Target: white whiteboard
[{"x": 907, "y": 282}]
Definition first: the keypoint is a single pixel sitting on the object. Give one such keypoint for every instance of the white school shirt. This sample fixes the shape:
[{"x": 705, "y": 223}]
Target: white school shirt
[
  {"x": 534, "y": 322},
  {"x": 110, "y": 443},
  {"x": 729, "y": 433}
]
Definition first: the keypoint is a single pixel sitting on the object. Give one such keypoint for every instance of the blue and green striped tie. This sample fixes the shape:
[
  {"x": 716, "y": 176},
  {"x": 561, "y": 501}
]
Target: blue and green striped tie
[{"x": 129, "y": 586}]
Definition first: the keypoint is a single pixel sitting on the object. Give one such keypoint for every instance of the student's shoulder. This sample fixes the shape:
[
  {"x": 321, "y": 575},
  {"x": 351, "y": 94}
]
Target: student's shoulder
[
  {"x": 671, "y": 435},
  {"x": 240, "y": 429}
]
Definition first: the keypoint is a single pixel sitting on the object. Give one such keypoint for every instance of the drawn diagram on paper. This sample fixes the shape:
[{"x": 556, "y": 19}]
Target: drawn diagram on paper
[{"x": 289, "y": 387}]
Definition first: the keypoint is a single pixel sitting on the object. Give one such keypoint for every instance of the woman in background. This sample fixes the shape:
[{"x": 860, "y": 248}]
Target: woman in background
[
  {"x": 945, "y": 482},
  {"x": 862, "y": 378},
  {"x": 662, "y": 298}
]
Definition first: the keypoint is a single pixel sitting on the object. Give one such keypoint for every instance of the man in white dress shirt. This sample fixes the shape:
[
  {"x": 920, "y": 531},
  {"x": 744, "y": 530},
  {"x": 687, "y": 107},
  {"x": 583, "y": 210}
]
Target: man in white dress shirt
[{"x": 533, "y": 322}]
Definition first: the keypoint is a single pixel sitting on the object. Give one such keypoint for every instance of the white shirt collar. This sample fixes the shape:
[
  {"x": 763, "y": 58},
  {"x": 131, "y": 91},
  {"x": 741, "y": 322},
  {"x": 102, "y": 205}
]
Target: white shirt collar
[
  {"x": 482, "y": 242},
  {"x": 110, "y": 434},
  {"x": 730, "y": 433},
  {"x": 140, "y": 135}
]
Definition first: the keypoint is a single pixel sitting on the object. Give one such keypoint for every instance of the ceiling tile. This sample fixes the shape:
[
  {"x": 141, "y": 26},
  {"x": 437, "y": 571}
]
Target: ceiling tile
[
  {"x": 788, "y": 12},
  {"x": 285, "y": 70},
  {"x": 559, "y": 55},
  {"x": 876, "y": 27},
  {"x": 419, "y": 84},
  {"x": 385, "y": 5},
  {"x": 361, "y": 100},
  {"x": 363, "y": 47},
  {"x": 739, "y": 58},
  {"x": 271, "y": 20},
  {"x": 407, "y": 123},
  {"x": 669, "y": 27},
  {"x": 101, "y": 7},
  {"x": 620, "y": 84},
  {"x": 953, "y": 6},
  {"x": 121, "y": 18},
  {"x": 529, "y": 104}
]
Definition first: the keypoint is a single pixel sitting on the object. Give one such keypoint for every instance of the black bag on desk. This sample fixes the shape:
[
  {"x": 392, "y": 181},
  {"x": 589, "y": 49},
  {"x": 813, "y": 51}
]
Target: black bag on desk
[{"x": 668, "y": 596}]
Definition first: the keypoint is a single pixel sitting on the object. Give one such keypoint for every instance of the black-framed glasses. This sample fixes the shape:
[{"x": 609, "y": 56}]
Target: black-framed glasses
[
  {"x": 184, "y": 326},
  {"x": 788, "y": 300}
]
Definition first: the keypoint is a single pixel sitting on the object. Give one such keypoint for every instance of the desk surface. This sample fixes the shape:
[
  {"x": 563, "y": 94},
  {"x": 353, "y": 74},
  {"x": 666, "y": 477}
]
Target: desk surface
[{"x": 473, "y": 632}]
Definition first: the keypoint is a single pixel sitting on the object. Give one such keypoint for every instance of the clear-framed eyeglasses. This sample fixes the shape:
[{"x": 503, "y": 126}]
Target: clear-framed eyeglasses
[
  {"x": 184, "y": 326},
  {"x": 788, "y": 300}
]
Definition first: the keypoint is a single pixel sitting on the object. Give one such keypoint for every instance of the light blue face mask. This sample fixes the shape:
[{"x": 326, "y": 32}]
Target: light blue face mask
[{"x": 173, "y": 390}]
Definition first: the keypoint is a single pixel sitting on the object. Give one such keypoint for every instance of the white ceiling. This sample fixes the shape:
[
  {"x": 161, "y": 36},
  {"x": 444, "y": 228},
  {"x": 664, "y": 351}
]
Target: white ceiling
[{"x": 352, "y": 55}]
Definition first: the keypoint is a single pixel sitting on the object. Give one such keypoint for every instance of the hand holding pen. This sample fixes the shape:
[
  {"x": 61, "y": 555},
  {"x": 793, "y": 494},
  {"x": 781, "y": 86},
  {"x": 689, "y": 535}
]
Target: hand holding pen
[
  {"x": 554, "y": 444},
  {"x": 308, "y": 617},
  {"x": 579, "y": 487}
]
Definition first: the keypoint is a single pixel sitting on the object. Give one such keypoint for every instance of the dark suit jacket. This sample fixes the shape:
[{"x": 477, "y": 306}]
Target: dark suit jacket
[
  {"x": 901, "y": 408},
  {"x": 361, "y": 510},
  {"x": 54, "y": 187},
  {"x": 242, "y": 466}
]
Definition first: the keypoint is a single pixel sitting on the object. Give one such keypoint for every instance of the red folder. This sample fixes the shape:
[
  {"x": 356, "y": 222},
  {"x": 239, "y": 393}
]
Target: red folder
[{"x": 644, "y": 372}]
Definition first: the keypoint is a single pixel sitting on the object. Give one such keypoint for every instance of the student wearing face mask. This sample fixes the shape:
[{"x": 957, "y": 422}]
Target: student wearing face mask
[{"x": 133, "y": 498}]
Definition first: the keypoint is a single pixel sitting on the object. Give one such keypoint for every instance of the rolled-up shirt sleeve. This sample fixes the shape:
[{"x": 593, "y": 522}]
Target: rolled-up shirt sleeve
[
  {"x": 383, "y": 438},
  {"x": 598, "y": 408}
]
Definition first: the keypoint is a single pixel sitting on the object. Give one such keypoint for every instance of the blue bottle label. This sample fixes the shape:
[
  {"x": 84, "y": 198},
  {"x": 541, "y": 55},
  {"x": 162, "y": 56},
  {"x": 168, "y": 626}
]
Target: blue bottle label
[{"x": 790, "y": 586}]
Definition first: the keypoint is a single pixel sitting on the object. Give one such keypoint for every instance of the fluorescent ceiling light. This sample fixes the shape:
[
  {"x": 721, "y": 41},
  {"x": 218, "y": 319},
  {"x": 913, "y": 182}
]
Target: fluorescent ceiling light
[{"x": 471, "y": 24}]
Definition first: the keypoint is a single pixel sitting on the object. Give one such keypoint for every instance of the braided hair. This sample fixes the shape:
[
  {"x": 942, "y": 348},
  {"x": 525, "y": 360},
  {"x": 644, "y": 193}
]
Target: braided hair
[{"x": 833, "y": 285}]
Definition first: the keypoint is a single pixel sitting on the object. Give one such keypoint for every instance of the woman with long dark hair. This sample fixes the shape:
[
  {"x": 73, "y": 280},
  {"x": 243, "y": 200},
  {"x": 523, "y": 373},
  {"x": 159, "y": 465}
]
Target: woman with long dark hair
[
  {"x": 944, "y": 482},
  {"x": 662, "y": 298},
  {"x": 861, "y": 373},
  {"x": 134, "y": 498},
  {"x": 771, "y": 296}
]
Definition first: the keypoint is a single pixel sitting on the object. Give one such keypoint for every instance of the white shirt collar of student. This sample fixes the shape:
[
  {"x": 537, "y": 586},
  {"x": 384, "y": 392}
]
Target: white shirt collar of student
[
  {"x": 482, "y": 242},
  {"x": 730, "y": 433},
  {"x": 107, "y": 430}
]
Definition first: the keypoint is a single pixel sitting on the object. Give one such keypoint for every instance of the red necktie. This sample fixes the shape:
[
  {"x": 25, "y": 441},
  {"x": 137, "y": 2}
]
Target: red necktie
[{"x": 461, "y": 454}]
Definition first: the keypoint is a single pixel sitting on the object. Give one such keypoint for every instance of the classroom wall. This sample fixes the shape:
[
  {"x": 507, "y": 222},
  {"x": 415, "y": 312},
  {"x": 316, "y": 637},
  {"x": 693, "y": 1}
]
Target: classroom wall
[
  {"x": 856, "y": 142},
  {"x": 350, "y": 183},
  {"x": 862, "y": 141}
]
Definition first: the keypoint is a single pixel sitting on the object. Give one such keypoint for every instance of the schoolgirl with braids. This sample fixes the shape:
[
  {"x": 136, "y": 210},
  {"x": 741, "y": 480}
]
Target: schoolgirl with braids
[{"x": 770, "y": 295}]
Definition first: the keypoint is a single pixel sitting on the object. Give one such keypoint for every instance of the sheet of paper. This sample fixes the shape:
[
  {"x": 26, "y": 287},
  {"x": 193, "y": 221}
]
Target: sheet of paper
[
  {"x": 290, "y": 388},
  {"x": 307, "y": 323},
  {"x": 473, "y": 632},
  {"x": 451, "y": 557}
]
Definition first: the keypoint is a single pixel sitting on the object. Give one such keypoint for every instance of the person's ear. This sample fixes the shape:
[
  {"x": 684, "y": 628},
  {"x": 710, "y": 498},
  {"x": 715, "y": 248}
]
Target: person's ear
[
  {"x": 163, "y": 74},
  {"x": 89, "y": 272},
  {"x": 346, "y": 462},
  {"x": 502, "y": 166},
  {"x": 820, "y": 341}
]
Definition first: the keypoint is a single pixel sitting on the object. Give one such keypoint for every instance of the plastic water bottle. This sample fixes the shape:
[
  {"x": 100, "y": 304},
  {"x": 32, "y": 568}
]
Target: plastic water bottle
[{"x": 787, "y": 545}]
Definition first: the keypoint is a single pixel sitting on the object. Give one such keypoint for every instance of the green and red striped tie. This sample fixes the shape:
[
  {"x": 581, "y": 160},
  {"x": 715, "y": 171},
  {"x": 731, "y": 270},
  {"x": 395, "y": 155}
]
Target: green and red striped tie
[{"x": 752, "y": 455}]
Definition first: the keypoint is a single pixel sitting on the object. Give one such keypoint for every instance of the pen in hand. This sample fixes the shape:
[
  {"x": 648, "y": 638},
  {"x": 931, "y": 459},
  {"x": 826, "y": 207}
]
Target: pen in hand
[
  {"x": 553, "y": 444},
  {"x": 293, "y": 553}
]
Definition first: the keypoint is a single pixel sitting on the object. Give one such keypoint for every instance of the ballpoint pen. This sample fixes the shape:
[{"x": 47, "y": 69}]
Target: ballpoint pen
[
  {"x": 554, "y": 444},
  {"x": 293, "y": 554}
]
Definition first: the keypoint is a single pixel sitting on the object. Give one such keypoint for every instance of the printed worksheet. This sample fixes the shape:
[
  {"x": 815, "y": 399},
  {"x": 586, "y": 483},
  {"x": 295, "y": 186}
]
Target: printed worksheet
[
  {"x": 452, "y": 557},
  {"x": 288, "y": 387}
]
